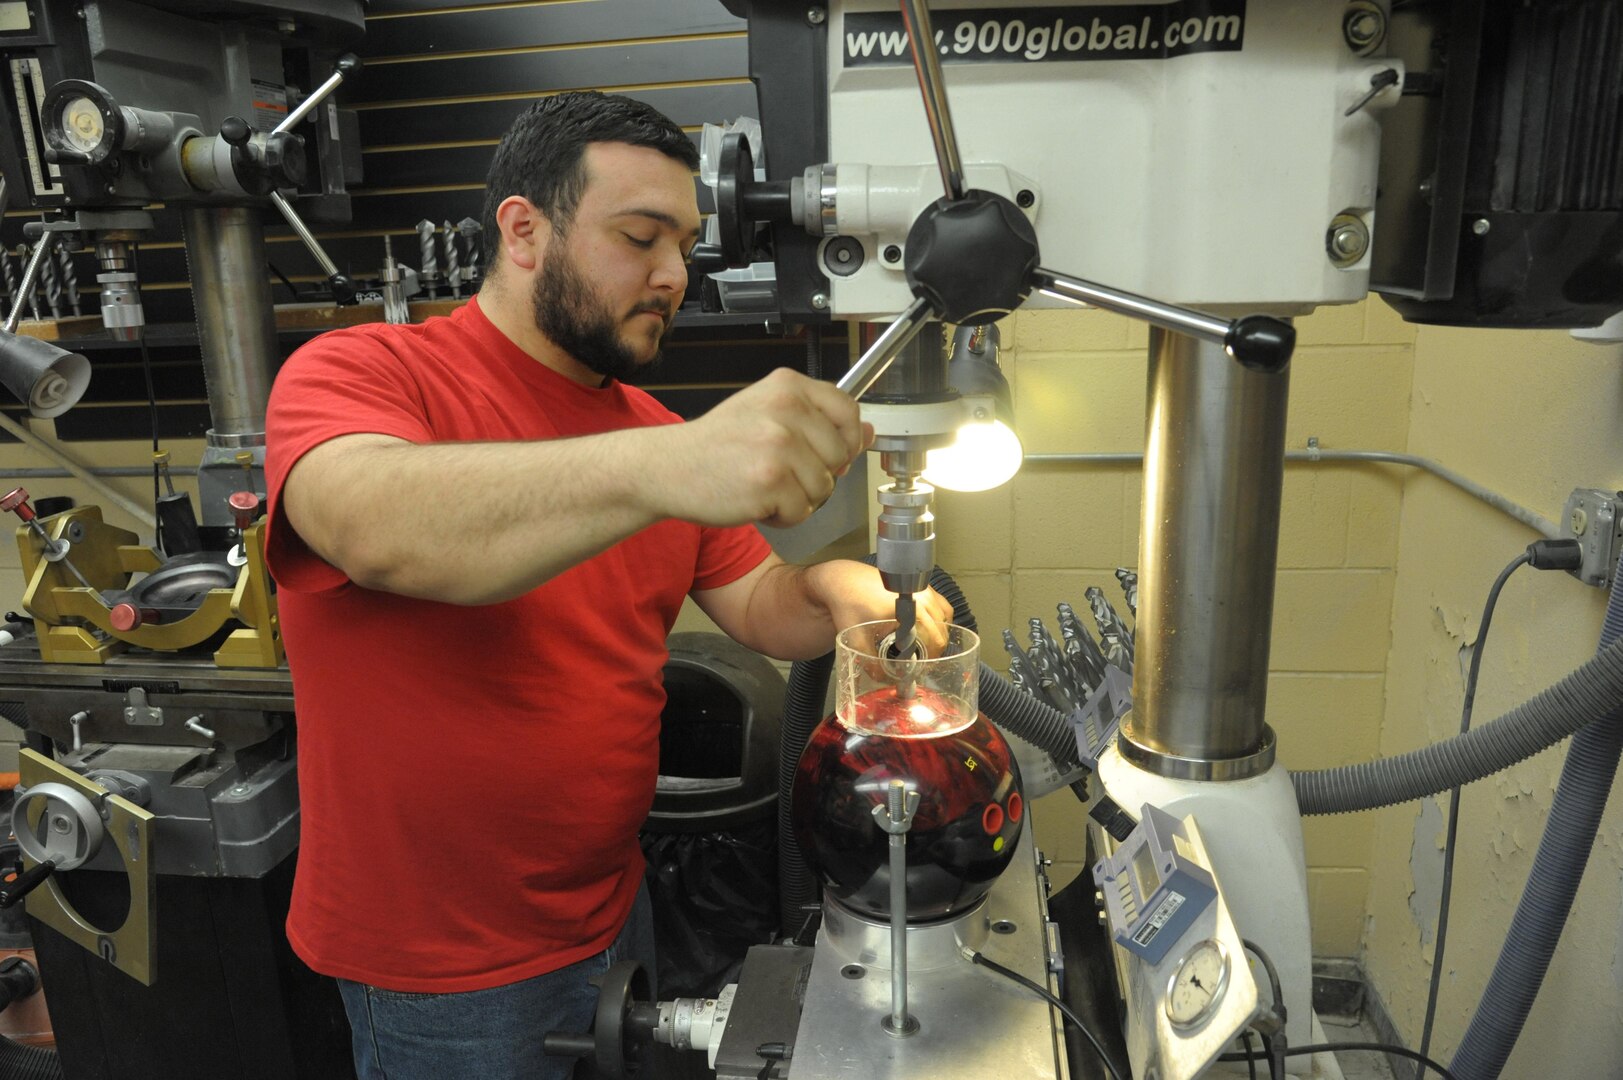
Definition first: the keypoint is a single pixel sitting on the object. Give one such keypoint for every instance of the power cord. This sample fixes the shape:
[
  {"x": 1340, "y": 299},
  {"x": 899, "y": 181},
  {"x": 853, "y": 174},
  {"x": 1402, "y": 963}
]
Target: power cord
[
  {"x": 1274, "y": 1044},
  {"x": 1541, "y": 555},
  {"x": 1340, "y": 1047},
  {"x": 1042, "y": 991}
]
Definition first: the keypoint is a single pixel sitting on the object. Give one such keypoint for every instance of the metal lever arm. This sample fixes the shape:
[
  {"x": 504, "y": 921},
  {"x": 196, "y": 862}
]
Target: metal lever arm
[
  {"x": 873, "y": 363},
  {"x": 346, "y": 65},
  {"x": 1257, "y": 341},
  {"x": 916, "y": 17},
  {"x": 343, "y": 290}
]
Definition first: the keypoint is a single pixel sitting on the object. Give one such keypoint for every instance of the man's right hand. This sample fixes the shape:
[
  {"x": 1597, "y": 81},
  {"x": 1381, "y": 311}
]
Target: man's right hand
[{"x": 770, "y": 454}]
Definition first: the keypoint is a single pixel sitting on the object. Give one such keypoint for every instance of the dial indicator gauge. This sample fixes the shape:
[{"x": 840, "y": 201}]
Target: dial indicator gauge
[{"x": 1197, "y": 985}]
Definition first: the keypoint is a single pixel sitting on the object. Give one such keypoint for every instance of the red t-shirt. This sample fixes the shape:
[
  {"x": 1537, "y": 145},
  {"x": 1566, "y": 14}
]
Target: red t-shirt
[{"x": 471, "y": 778}]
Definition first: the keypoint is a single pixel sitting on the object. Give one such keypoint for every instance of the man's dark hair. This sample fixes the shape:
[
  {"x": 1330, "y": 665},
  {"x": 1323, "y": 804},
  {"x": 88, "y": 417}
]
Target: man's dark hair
[{"x": 542, "y": 156}]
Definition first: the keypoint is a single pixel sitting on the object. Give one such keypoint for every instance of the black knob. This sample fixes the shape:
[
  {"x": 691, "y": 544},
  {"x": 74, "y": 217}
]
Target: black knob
[
  {"x": 343, "y": 290},
  {"x": 349, "y": 63},
  {"x": 235, "y": 130},
  {"x": 1261, "y": 343},
  {"x": 707, "y": 259},
  {"x": 25, "y": 883},
  {"x": 972, "y": 258}
]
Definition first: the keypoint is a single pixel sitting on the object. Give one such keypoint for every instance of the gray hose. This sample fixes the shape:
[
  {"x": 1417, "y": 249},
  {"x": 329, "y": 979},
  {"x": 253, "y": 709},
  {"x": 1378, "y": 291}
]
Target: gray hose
[
  {"x": 1552, "y": 883},
  {"x": 1589, "y": 694}
]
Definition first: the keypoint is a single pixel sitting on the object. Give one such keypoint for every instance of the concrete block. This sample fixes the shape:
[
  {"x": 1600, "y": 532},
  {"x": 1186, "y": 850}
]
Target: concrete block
[
  {"x": 975, "y": 530},
  {"x": 1353, "y": 397},
  {"x": 1066, "y": 403},
  {"x": 1323, "y": 721},
  {"x": 1336, "y": 901},
  {"x": 1313, "y": 518},
  {"x": 1068, "y": 330},
  {"x": 1332, "y": 620},
  {"x": 1332, "y": 324},
  {"x": 1071, "y": 518}
]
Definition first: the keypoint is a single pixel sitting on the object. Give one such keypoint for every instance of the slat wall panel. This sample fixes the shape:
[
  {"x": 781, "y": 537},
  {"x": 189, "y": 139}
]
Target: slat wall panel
[{"x": 441, "y": 81}]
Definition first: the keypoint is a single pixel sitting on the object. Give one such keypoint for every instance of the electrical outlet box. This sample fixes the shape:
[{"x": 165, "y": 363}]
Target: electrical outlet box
[{"x": 1592, "y": 518}]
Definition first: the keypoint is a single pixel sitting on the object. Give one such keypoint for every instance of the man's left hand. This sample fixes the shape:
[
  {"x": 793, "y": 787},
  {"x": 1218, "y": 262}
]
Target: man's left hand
[{"x": 854, "y": 593}]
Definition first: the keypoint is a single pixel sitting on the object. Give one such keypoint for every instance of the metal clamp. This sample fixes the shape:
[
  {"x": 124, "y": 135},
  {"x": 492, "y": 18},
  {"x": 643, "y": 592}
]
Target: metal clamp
[{"x": 896, "y": 818}]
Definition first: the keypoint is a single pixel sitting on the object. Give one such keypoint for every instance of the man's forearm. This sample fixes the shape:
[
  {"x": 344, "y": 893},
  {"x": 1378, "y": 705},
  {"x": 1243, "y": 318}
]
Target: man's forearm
[{"x": 471, "y": 523}]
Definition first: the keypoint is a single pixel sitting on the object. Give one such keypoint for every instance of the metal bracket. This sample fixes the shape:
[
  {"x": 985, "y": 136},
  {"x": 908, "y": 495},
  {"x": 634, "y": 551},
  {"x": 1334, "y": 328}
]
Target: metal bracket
[{"x": 138, "y": 713}]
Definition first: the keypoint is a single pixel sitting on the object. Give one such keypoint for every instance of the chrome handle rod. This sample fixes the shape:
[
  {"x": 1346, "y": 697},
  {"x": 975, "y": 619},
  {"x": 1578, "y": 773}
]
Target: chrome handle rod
[
  {"x": 896, "y": 337},
  {"x": 346, "y": 64},
  {"x": 927, "y": 65},
  {"x": 292, "y": 217},
  {"x": 1196, "y": 324}
]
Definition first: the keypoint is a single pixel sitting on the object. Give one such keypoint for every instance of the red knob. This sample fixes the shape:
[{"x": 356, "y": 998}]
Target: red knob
[
  {"x": 16, "y": 500},
  {"x": 126, "y": 617},
  {"x": 244, "y": 507}
]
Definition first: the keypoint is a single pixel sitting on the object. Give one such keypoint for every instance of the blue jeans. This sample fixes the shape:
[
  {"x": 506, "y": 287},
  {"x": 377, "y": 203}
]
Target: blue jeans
[{"x": 492, "y": 1034}]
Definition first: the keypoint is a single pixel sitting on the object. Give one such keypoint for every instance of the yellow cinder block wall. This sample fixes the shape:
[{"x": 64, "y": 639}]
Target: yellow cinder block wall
[
  {"x": 1531, "y": 415},
  {"x": 1079, "y": 381}
]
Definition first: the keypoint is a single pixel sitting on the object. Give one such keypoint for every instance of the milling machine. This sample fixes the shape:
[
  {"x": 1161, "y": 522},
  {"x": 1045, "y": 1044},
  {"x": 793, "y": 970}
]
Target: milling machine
[{"x": 158, "y": 808}]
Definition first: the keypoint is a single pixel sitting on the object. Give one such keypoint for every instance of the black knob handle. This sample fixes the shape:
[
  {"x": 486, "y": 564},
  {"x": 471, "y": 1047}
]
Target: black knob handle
[
  {"x": 568, "y": 1044},
  {"x": 235, "y": 130},
  {"x": 707, "y": 259},
  {"x": 343, "y": 290},
  {"x": 25, "y": 883},
  {"x": 349, "y": 63},
  {"x": 1261, "y": 343}
]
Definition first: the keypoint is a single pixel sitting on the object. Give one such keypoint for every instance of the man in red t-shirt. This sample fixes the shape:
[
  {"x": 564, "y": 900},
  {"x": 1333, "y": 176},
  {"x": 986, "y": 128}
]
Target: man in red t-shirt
[{"x": 482, "y": 536}]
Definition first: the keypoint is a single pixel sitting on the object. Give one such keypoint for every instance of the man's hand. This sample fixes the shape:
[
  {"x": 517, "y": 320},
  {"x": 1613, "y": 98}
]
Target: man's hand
[
  {"x": 794, "y": 612},
  {"x": 853, "y": 593},
  {"x": 770, "y": 454}
]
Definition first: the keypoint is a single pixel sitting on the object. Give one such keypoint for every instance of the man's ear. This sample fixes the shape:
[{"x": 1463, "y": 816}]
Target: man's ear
[{"x": 525, "y": 232}]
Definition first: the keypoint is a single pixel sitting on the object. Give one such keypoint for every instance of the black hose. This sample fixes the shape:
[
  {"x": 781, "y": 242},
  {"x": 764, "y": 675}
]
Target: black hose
[
  {"x": 1552, "y": 883},
  {"x": 19, "y": 1062},
  {"x": 802, "y": 711}
]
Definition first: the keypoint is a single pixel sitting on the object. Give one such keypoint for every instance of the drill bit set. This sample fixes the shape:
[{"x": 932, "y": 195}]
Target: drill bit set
[
  {"x": 1086, "y": 673},
  {"x": 458, "y": 252},
  {"x": 55, "y": 295}
]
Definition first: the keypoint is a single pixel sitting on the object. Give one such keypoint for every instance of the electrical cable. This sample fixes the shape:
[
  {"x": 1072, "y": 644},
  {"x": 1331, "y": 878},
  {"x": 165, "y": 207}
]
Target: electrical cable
[
  {"x": 1336, "y": 1048},
  {"x": 1273, "y": 1045},
  {"x": 1454, "y": 808},
  {"x": 1250, "y": 1062},
  {"x": 1042, "y": 991}
]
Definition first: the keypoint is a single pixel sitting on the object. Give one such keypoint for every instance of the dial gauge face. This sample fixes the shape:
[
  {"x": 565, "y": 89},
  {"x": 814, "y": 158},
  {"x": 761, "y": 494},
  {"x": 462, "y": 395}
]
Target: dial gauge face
[
  {"x": 1197, "y": 984},
  {"x": 82, "y": 124}
]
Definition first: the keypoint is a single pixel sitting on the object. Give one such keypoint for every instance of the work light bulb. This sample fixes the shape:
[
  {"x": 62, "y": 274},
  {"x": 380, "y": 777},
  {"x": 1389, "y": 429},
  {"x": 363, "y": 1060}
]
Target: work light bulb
[{"x": 985, "y": 455}]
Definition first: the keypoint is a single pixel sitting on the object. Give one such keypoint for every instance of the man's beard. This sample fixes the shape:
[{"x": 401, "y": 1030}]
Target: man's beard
[{"x": 580, "y": 324}]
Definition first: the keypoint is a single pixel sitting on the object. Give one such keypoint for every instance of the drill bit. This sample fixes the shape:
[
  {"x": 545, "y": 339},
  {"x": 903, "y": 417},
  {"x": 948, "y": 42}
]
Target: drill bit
[
  {"x": 430, "y": 273},
  {"x": 33, "y": 292},
  {"x": 1044, "y": 659},
  {"x": 8, "y": 281},
  {"x": 1129, "y": 587},
  {"x": 70, "y": 278},
  {"x": 53, "y": 286},
  {"x": 469, "y": 229},
  {"x": 1080, "y": 648},
  {"x": 453, "y": 271}
]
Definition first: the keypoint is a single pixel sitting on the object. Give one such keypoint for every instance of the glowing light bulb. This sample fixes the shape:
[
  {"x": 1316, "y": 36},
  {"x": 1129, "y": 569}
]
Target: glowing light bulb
[{"x": 985, "y": 455}]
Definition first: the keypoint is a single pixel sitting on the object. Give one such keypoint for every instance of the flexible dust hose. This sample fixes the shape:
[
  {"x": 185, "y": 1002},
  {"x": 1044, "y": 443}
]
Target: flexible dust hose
[
  {"x": 1552, "y": 883},
  {"x": 1016, "y": 711},
  {"x": 802, "y": 712},
  {"x": 1591, "y": 693}
]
